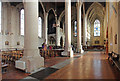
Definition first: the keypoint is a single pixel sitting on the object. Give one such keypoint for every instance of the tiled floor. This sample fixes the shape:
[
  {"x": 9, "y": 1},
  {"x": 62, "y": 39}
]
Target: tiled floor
[
  {"x": 93, "y": 65},
  {"x": 13, "y": 73}
]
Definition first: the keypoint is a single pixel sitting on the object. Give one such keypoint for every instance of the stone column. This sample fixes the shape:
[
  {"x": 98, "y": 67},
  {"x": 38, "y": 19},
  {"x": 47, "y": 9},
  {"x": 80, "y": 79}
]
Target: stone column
[
  {"x": 84, "y": 27},
  {"x": 14, "y": 32},
  {"x": 68, "y": 49},
  {"x": 79, "y": 46},
  {"x": 32, "y": 57},
  {"x": 46, "y": 27},
  {"x": 58, "y": 34}
]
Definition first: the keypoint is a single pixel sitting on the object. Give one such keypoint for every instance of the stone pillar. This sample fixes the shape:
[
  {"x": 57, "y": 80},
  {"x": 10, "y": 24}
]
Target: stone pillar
[
  {"x": 58, "y": 34},
  {"x": 84, "y": 27},
  {"x": 79, "y": 46},
  {"x": 63, "y": 34},
  {"x": 68, "y": 49},
  {"x": 45, "y": 27},
  {"x": 32, "y": 57},
  {"x": 14, "y": 32}
]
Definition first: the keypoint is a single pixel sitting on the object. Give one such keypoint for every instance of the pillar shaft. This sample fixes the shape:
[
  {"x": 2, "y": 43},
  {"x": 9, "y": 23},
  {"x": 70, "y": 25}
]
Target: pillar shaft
[
  {"x": 31, "y": 52},
  {"x": 85, "y": 31},
  {"x": 46, "y": 27},
  {"x": 58, "y": 34},
  {"x": 31, "y": 25},
  {"x": 67, "y": 25},
  {"x": 84, "y": 27},
  {"x": 68, "y": 50},
  {"x": 79, "y": 46}
]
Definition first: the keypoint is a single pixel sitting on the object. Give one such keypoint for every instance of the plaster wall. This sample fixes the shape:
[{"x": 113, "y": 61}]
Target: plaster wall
[
  {"x": 11, "y": 28},
  {"x": 113, "y": 27}
]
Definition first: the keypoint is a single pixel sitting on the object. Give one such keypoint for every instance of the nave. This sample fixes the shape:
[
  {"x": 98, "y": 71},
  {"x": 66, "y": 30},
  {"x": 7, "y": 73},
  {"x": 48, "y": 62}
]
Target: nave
[
  {"x": 93, "y": 65},
  {"x": 90, "y": 65}
]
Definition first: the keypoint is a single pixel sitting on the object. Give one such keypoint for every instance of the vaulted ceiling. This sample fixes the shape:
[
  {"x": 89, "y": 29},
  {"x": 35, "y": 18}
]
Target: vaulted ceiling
[{"x": 60, "y": 6}]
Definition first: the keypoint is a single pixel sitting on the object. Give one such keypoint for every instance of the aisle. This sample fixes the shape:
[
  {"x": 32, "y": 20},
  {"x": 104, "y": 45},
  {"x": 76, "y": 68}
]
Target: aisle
[{"x": 93, "y": 65}]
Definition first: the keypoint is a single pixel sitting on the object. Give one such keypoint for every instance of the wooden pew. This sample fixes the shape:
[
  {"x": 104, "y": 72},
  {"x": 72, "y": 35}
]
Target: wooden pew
[{"x": 115, "y": 59}]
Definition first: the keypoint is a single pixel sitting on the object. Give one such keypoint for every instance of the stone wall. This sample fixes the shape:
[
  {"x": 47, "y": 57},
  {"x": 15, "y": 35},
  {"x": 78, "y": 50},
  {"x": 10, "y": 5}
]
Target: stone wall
[
  {"x": 113, "y": 27},
  {"x": 11, "y": 28}
]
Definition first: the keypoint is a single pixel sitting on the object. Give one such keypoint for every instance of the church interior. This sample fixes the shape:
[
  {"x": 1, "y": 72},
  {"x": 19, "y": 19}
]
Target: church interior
[{"x": 59, "y": 40}]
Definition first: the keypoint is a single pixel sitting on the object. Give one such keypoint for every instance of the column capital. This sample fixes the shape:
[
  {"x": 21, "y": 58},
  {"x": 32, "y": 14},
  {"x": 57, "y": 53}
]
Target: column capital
[
  {"x": 79, "y": 4},
  {"x": 30, "y": 1}
]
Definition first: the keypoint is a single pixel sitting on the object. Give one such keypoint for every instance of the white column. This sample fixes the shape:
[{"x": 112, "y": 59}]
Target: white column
[
  {"x": 14, "y": 31},
  {"x": 58, "y": 34},
  {"x": 68, "y": 49},
  {"x": 45, "y": 27},
  {"x": 84, "y": 27},
  {"x": 32, "y": 56},
  {"x": 79, "y": 46}
]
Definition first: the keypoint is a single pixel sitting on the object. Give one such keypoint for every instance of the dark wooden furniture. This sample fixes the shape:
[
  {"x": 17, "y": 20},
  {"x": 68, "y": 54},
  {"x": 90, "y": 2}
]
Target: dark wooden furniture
[
  {"x": 51, "y": 53},
  {"x": 4, "y": 67},
  {"x": 114, "y": 58}
]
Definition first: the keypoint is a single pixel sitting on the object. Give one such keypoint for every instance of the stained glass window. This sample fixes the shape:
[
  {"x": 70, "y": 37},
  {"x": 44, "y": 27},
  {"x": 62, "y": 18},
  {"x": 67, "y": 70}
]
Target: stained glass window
[
  {"x": 39, "y": 26},
  {"x": 97, "y": 28},
  {"x": 75, "y": 28},
  {"x": 22, "y": 22}
]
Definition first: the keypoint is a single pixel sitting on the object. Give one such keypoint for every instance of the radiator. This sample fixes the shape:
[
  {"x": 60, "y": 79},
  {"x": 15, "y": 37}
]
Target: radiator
[{"x": 20, "y": 65}]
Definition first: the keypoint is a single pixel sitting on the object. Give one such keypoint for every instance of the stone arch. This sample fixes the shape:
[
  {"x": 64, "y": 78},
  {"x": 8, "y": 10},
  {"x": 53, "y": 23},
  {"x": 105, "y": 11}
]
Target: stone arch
[
  {"x": 53, "y": 11},
  {"x": 42, "y": 6},
  {"x": 20, "y": 6},
  {"x": 61, "y": 15},
  {"x": 100, "y": 10},
  {"x": 92, "y": 6},
  {"x": 52, "y": 19}
]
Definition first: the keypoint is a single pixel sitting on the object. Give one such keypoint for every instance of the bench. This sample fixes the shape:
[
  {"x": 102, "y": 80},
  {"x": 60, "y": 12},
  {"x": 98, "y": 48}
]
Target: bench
[
  {"x": 115, "y": 59},
  {"x": 4, "y": 67}
]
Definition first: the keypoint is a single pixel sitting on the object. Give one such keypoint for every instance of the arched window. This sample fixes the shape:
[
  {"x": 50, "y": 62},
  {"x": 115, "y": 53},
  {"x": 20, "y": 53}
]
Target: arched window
[
  {"x": 0, "y": 16},
  {"x": 75, "y": 28},
  {"x": 22, "y": 22},
  {"x": 97, "y": 28},
  {"x": 40, "y": 27}
]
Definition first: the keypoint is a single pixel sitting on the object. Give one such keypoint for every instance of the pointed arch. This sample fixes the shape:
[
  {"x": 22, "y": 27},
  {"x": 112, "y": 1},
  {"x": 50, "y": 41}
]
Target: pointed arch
[
  {"x": 42, "y": 6},
  {"x": 61, "y": 15},
  {"x": 96, "y": 9},
  {"x": 53, "y": 11}
]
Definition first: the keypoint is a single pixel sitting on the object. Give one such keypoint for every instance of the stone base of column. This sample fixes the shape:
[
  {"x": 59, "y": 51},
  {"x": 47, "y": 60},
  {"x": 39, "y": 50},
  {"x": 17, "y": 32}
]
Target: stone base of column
[
  {"x": 80, "y": 50},
  {"x": 68, "y": 53},
  {"x": 32, "y": 63}
]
